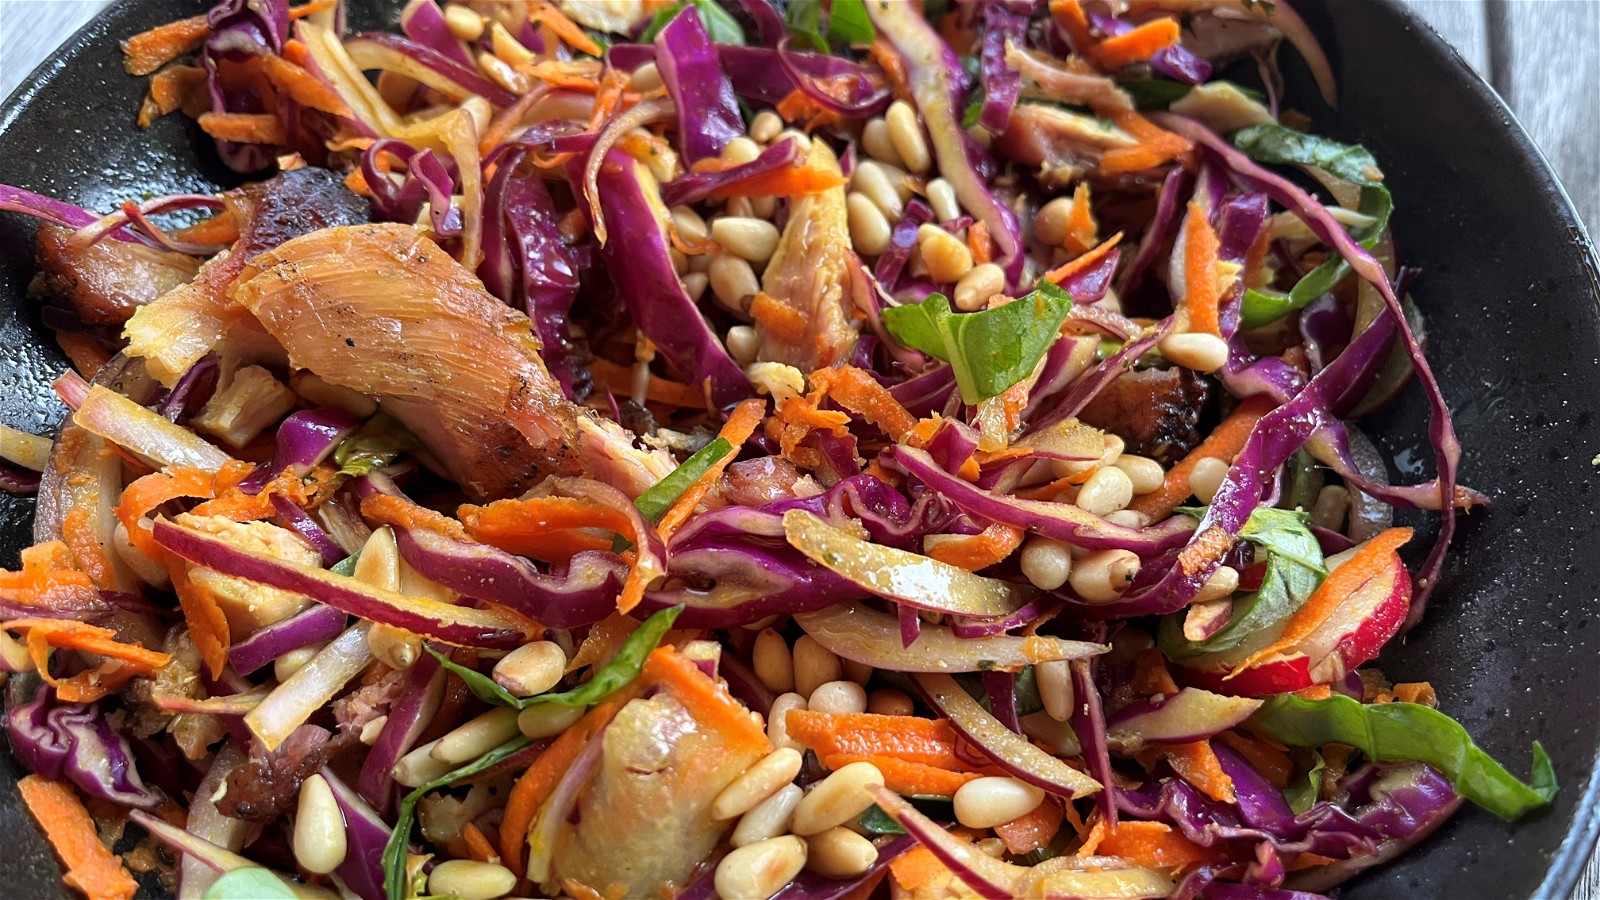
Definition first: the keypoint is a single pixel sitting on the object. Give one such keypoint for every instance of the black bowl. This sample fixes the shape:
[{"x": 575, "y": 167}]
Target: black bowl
[{"x": 1512, "y": 294}]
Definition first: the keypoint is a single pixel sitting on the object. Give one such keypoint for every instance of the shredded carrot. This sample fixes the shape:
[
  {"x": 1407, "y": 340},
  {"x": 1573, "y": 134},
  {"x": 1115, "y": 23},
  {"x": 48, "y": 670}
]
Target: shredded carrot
[
  {"x": 1073, "y": 266},
  {"x": 1138, "y": 45},
  {"x": 799, "y": 106},
  {"x": 618, "y": 379},
  {"x": 1031, "y": 831},
  {"x": 357, "y": 183},
  {"x": 170, "y": 89},
  {"x": 859, "y": 392},
  {"x": 123, "y": 661},
  {"x": 1421, "y": 692},
  {"x": 1156, "y": 146},
  {"x": 1269, "y": 757},
  {"x": 894, "y": 68},
  {"x": 977, "y": 551},
  {"x": 478, "y": 846},
  {"x": 1223, "y": 443},
  {"x": 789, "y": 181},
  {"x": 782, "y": 321},
  {"x": 208, "y": 624},
  {"x": 385, "y": 509},
  {"x": 244, "y": 128},
  {"x": 312, "y": 8},
  {"x": 221, "y": 228},
  {"x": 1197, "y": 764},
  {"x": 87, "y": 552},
  {"x": 909, "y": 779},
  {"x": 48, "y": 576},
  {"x": 916, "y": 867},
  {"x": 303, "y": 87},
  {"x": 1200, "y": 296},
  {"x": 307, "y": 491},
  {"x": 980, "y": 243},
  {"x": 740, "y": 426},
  {"x": 1071, "y": 19},
  {"x": 545, "y": 528},
  {"x": 709, "y": 702},
  {"x": 931, "y": 742},
  {"x": 150, "y": 50},
  {"x": 1092, "y": 840},
  {"x": 1315, "y": 692},
  {"x": 544, "y": 13},
  {"x": 91, "y": 867},
  {"x": 172, "y": 483},
  {"x": 1081, "y": 226},
  {"x": 1150, "y": 674},
  {"x": 1156, "y": 845},
  {"x": 1341, "y": 584}
]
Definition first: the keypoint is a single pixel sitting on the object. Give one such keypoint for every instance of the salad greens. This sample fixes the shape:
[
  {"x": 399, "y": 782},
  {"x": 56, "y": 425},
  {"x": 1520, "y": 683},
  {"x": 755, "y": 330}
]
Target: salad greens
[{"x": 988, "y": 351}]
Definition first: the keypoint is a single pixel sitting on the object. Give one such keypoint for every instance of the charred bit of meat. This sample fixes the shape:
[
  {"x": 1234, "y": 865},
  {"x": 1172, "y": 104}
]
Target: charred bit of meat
[
  {"x": 264, "y": 787},
  {"x": 757, "y": 482},
  {"x": 105, "y": 283},
  {"x": 1155, "y": 411}
]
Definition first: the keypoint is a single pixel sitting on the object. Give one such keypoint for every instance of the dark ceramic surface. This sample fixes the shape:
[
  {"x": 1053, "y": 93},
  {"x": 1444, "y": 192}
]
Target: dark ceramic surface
[{"x": 1511, "y": 291}]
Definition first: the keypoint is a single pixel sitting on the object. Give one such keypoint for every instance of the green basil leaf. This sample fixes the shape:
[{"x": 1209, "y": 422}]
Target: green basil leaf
[
  {"x": 1270, "y": 142},
  {"x": 1261, "y": 307},
  {"x": 1303, "y": 794},
  {"x": 394, "y": 852},
  {"x": 848, "y": 22},
  {"x": 876, "y": 821},
  {"x": 988, "y": 351},
  {"x": 375, "y": 444},
  {"x": 1294, "y": 570},
  {"x": 1409, "y": 731},
  {"x": 654, "y": 503},
  {"x": 974, "y": 109},
  {"x": 804, "y": 18},
  {"x": 1154, "y": 93},
  {"x": 608, "y": 679},
  {"x": 250, "y": 883},
  {"x": 346, "y": 566},
  {"x": 720, "y": 26}
]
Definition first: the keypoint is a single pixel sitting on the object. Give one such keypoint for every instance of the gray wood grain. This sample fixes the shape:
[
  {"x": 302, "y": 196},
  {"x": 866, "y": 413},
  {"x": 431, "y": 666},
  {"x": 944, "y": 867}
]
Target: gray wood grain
[{"x": 1543, "y": 56}]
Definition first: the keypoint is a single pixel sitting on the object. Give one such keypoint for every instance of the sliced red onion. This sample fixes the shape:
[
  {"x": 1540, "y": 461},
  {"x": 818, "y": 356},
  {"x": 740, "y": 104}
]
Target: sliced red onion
[
  {"x": 410, "y": 714},
  {"x": 909, "y": 579},
  {"x": 1007, "y": 748},
  {"x": 315, "y": 625},
  {"x": 307, "y": 528},
  {"x": 1189, "y": 715},
  {"x": 49, "y": 209},
  {"x": 583, "y": 594},
  {"x": 71, "y": 388},
  {"x": 902, "y": 240},
  {"x": 366, "y": 834},
  {"x": 177, "y": 402},
  {"x": 1002, "y": 85},
  {"x": 424, "y": 22},
  {"x": 980, "y": 628},
  {"x": 696, "y": 186},
  {"x": 311, "y": 687},
  {"x": 458, "y": 625},
  {"x": 391, "y": 52},
  {"x": 206, "y": 823},
  {"x": 1089, "y": 724},
  {"x": 144, "y": 433},
  {"x": 989, "y": 877},
  {"x": 558, "y": 807},
  {"x": 862, "y": 634}
]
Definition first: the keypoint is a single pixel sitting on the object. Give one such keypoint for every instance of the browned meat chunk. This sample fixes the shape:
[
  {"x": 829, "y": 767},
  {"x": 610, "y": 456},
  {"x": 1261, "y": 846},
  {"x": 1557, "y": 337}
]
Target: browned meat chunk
[
  {"x": 757, "y": 482},
  {"x": 104, "y": 283},
  {"x": 1155, "y": 411},
  {"x": 266, "y": 785}
]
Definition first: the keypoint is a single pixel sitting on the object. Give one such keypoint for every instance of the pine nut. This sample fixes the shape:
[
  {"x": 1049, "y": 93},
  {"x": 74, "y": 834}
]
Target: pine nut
[
  {"x": 942, "y": 197},
  {"x": 646, "y": 78},
  {"x": 994, "y": 800},
  {"x": 769, "y": 818},
  {"x": 872, "y": 180},
  {"x": 732, "y": 281},
  {"x": 838, "y": 697},
  {"x": 978, "y": 285},
  {"x": 1206, "y": 477},
  {"x": 695, "y": 283},
  {"x": 1220, "y": 586},
  {"x": 757, "y": 871},
  {"x": 765, "y": 126},
  {"x": 1107, "y": 490},
  {"x": 1330, "y": 507},
  {"x": 468, "y": 879},
  {"x": 889, "y": 702},
  {"x": 1102, "y": 575},
  {"x": 372, "y": 730},
  {"x": 1054, "y": 680},
  {"x": 739, "y": 206},
  {"x": 814, "y": 665},
  {"x": 543, "y": 720},
  {"x": 778, "y": 723},
  {"x": 875, "y": 140},
  {"x": 418, "y": 767},
  {"x": 859, "y": 672},
  {"x": 1046, "y": 563},
  {"x": 1051, "y": 224},
  {"x": 764, "y": 207},
  {"x": 743, "y": 345},
  {"x": 319, "y": 838},
  {"x": 946, "y": 256},
  {"x": 507, "y": 47},
  {"x": 753, "y": 239},
  {"x": 758, "y": 782},
  {"x": 905, "y": 133},
  {"x": 477, "y": 737},
  {"x": 992, "y": 847},
  {"x": 394, "y": 647},
  {"x": 689, "y": 224},
  {"x": 800, "y": 138},
  {"x": 1194, "y": 350},
  {"x": 464, "y": 23},
  {"x": 836, "y": 799},
  {"x": 869, "y": 229},
  {"x": 379, "y": 562},
  {"x": 1128, "y": 518},
  {"x": 770, "y": 657},
  {"x": 700, "y": 263},
  {"x": 291, "y": 662},
  {"x": 840, "y": 853},
  {"x": 680, "y": 261},
  {"x": 531, "y": 669},
  {"x": 741, "y": 150},
  {"x": 1145, "y": 473}
]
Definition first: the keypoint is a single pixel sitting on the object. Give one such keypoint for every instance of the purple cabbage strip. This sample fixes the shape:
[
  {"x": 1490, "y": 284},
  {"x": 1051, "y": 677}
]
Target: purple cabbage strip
[
  {"x": 17, "y": 480},
  {"x": 1002, "y": 85},
  {"x": 424, "y": 22},
  {"x": 1089, "y": 284},
  {"x": 304, "y": 440},
  {"x": 74, "y": 741},
  {"x": 317, "y": 624},
  {"x": 768, "y": 74},
  {"x": 902, "y": 240},
  {"x": 366, "y": 834},
  {"x": 428, "y": 179},
  {"x": 641, "y": 266},
  {"x": 467, "y": 77},
  {"x": 1088, "y": 721},
  {"x": 1091, "y": 383},
  {"x": 696, "y": 186},
  {"x": 1169, "y": 203},
  {"x": 770, "y": 27},
  {"x": 708, "y": 114},
  {"x": 411, "y": 713},
  {"x": 241, "y": 29},
  {"x": 1441, "y": 432},
  {"x": 53, "y": 211},
  {"x": 177, "y": 402}
]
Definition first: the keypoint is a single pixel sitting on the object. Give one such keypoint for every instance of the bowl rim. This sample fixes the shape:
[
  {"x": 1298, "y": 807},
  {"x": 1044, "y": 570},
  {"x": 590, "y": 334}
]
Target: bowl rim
[{"x": 1582, "y": 841}]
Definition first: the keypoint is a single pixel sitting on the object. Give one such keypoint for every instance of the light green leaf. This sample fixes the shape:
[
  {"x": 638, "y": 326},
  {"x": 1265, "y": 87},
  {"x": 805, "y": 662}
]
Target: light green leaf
[
  {"x": 848, "y": 22},
  {"x": 374, "y": 445},
  {"x": 720, "y": 26},
  {"x": 654, "y": 503},
  {"x": 1270, "y": 142},
  {"x": 1303, "y": 794},
  {"x": 1409, "y": 731},
  {"x": 988, "y": 351},
  {"x": 250, "y": 883}
]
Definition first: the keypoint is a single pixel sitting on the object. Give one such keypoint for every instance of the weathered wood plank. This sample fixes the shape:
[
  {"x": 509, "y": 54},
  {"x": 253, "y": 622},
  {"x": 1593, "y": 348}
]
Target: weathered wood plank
[
  {"x": 1464, "y": 23},
  {"x": 30, "y": 30}
]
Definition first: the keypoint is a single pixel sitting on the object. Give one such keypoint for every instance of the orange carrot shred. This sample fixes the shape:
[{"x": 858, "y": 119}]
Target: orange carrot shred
[
  {"x": 544, "y": 13},
  {"x": 91, "y": 867},
  {"x": 1138, "y": 45},
  {"x": 860, "y": 393},
  {"x": 1081, "y": 226},
  {"x": 150, "y": 50},
  {"x": 1073, "y": 266},
  {"x": 619, "y": 380},
  {"x": 245, "y": 128},
  {"x": 1070, "y": 16},
  {"x": 980, "y": 243},
  {"x": 303, "y": 87},
  {"x": 1031, "y": 831},
  {"x": 912, "y": 738},
  {"x": 910, "y": 779},
  {"x": 170, "y": 89},
  {"x": 740, "y": 426},
  {"x": 478, "y": 846},
  {"x": 1197, "y": 764},
  {"x": 1222, "y": 443},
  {"x": 977, "y": 551},
  {"x": 551, "y": 529},
  {"x": 782, "y": 321},
  {"x": 1156, "y": 845},
  {"x": 1200, "y": 297}
]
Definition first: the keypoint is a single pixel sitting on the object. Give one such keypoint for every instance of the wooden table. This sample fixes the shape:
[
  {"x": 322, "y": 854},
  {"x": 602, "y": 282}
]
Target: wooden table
[{"x": 1542, "y": 56}]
